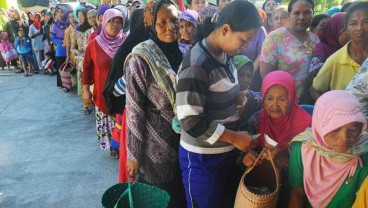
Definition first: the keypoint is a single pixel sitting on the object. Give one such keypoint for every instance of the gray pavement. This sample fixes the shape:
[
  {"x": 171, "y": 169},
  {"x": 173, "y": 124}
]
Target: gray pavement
[{"x": 49, "y": 155}]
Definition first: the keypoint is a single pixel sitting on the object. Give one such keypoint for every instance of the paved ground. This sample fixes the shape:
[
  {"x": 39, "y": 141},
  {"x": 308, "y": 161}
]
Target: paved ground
[{"x": 49, "y": 156}]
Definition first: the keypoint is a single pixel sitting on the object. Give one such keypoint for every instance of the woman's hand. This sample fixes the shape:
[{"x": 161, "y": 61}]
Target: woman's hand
[
  {"x": 86, "y": 94},
  {"x": 242, "y": 101},
  {"x": 133, "y": 168},
  {"x": 249, "y": 159},
  {"x": 273, "y": 151}
]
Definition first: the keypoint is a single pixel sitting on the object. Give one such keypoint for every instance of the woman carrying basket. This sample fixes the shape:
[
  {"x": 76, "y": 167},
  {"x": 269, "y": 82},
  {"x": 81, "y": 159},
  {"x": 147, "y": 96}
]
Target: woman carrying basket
[{"x": 209, "y": 104}]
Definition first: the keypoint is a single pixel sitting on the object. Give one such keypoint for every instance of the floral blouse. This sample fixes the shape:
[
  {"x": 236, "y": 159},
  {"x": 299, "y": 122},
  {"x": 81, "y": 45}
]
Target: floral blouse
[
  {"x": 358, "y": 86},
  {"x": 287, "y": 53}
]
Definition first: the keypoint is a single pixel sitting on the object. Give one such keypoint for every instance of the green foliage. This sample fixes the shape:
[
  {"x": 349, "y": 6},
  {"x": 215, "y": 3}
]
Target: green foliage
[{"x": 321, "y": 6}]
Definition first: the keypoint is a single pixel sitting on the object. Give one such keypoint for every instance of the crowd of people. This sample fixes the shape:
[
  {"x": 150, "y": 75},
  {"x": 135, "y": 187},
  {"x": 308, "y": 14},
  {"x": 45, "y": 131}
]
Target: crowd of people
[{"x": 186, "y": 95}]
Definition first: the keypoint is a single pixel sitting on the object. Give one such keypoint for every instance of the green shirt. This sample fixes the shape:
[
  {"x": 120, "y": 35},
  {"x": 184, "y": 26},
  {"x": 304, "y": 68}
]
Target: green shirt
[{"x": 345, "y": 196}]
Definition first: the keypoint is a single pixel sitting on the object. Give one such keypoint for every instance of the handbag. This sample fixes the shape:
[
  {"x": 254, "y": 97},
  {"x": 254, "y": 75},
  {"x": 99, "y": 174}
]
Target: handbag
[
  {"x": 10, "y": 55},
  {"x": 65, "y": 74},
  {"x": 135, "y": 195},
  {"x": 259, "y": 177}
]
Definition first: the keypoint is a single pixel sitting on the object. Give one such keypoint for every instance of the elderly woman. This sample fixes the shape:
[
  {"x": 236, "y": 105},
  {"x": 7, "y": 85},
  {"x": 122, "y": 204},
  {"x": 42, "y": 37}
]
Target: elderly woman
[
  {"x": 289, "y": 49},
  {"x": 328, "y": 163},
  {"x": 209, "y": 104},
  {"x": 150, "y": 75},
  {"x": 280, "y": 17},
  {"x": 57, "y": 37},
  {"x": 188, "y": 23},
  {"x": 340, "y": 68},
  {"x": 96, "y": 65},
  {"x": 92, "y": 21}
]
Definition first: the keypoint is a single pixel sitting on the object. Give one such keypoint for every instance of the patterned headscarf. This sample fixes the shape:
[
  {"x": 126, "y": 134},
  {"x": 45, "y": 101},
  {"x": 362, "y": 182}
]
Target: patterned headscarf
[
  {"x": 150, "y": 13},
  {"x": 59, "y": 27}
]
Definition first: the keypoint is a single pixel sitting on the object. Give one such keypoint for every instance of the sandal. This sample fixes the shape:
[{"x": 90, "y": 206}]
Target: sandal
[{"x": 86, "y": 111}]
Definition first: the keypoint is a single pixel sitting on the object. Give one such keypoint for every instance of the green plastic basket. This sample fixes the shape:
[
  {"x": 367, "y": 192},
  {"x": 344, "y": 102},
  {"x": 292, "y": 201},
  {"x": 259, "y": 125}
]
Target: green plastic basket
[{"x": 135, "y": 195}]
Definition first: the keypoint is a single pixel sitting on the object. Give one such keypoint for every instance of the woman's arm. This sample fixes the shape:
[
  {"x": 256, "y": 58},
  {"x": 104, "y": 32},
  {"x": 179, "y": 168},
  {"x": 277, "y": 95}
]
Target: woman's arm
[
  {"x": 266, "y": 68},
  {"x": 315, "y": 93},
  {"x": 87, "y": 75}
]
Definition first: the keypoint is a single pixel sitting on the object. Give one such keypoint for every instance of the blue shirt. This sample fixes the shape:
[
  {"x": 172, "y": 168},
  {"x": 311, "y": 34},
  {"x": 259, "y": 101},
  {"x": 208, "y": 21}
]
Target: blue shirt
[
  {"x": 60, "y": 49},
  {"x": 24, "y": 48}
]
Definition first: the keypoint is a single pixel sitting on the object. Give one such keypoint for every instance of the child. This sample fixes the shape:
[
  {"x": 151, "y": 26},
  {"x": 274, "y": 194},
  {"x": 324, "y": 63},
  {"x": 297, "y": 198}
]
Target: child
[
  {"x": 24, "y": 48},
  {"x": 7, "y": 49},
  {"x": 48, "y": 63}
]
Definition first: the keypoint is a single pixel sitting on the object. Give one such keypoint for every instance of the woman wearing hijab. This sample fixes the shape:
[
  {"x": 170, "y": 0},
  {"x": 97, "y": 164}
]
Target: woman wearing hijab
[
  {"x": 125, "y": 12},
  {"x": 36, "y": 35},
  {"x": 57, "y": 37},
  {"x": 115, "y": 88},
  {"x": 96, "y": 63},
  {"x": 281, "y": 118},
  {"x": 328, "y": 162},
  {"x": 150, "y": 76}
]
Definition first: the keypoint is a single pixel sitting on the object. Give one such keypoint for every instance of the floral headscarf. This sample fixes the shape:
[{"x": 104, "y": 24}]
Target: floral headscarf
[{"x": 150, "y": 13}]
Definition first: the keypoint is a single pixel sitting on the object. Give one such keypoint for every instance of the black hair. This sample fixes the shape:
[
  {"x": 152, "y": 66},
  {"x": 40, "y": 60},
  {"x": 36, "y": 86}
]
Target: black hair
[
  {"x": 71, "y": 11},
  {"x": 360, "y": 5},
  {"x": 264, "y": 4},
  {"x": 239, "y": 14},
  {"x": 317, "y": 19},
  {"x": 50, "y": 54},
  {"x": 292, "y": 2},
  {"x": 345, "y": 6},
  {"x": 189, "y": 2}
]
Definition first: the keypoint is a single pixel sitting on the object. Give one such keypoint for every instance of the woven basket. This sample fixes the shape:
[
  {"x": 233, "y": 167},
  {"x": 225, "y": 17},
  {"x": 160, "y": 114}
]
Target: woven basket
[
  {"x": 135, "y": 195},
  {"x": 265, "y": 174}
]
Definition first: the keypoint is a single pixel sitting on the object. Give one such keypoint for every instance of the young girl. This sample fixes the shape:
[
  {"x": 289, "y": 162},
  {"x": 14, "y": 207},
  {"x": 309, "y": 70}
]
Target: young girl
[
  {"x": 209, "y": 103},
  {"x": 24, "y": 48},
  {"x": 7, "y": 49},
  {"x": 48, "y": 63}
]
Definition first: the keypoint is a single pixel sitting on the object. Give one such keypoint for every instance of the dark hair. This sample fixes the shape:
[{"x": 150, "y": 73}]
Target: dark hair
[
  {"x": 360, "y": 5},
  {"x": 345, "y": 6},
  {"x": 69, "y": 13},
  {"x": 50, "y": 54},
  {"x": 316, "y": 19},
  {"x": 189, "y": 2},
  {"x": 264, "y": 4},
  {"x": 239, "y": 14},
  {"x": 292, "y": 2}
]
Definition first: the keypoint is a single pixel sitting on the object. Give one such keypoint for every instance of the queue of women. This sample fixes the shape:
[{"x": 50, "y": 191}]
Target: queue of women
[{"x": 178, "y": 96}]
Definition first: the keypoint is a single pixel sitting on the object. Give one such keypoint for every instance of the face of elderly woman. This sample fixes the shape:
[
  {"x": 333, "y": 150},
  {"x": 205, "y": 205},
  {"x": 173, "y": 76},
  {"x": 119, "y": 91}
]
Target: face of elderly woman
[
  {"x": 276, "y": 102},
  {"x": 92, "y": 18},
  {"x": 114, "y": 26},
  {"x": 167, "y": 24},
  {"x": 357, "y": 26},
  {"x": 341, "y": 139},
  {"x": 301, "y": 15}
]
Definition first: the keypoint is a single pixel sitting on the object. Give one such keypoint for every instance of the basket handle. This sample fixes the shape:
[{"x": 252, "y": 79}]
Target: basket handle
[
  {"x": 257, "y": 160},
  {"x": 129, "y": 192}
]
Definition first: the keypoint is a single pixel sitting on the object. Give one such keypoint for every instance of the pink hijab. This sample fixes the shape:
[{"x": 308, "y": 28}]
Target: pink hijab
[
  {"x": 323, "y": 177},
  {"x": 107, "y": 43},
  {"x": 283, "y": 129}
]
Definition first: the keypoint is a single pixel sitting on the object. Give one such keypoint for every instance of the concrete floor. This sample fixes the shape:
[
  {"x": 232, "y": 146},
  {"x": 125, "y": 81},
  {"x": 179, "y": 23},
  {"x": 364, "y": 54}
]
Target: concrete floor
[{"x": 49, "y": 155}]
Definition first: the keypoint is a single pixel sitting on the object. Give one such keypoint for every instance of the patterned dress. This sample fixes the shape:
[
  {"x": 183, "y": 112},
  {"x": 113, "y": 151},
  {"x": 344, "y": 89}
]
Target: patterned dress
[{"x": 282, "y": 50}]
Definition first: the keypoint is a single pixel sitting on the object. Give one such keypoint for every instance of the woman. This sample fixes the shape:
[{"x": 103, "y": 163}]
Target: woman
[
  {"x": 68, "y": 37},
  {"x": 57, "y": 37},
  {"x": 114, "y": 92},
  {"x": 48, "y": 21},
  {"x": 96, "y": 63},
  {"x": 125, "y": 12},
  {"x": 318, "y": 23},
  {"x": 36, "y": 35},
  {"x": 188, "y": 23},
  {"x": 328, "y": 163},
  {"x": 268, "y": 7},
  {"x": 150, "y": 76},
  {"x": 289, "y": 49},
  {"x": 208, "y": 97},
  {"x": 280, "y": 17},
  {"x": 92, "y": 21},
  {"x": 281, "y": 119},
  {"x": 197, "y": 5},
  {"x": 340, "y": 68},
  {"x": 359, "y": 87}
]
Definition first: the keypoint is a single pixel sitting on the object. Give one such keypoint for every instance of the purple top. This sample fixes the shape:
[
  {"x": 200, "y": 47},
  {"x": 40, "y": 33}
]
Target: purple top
[{"x": 255, "y": 45}]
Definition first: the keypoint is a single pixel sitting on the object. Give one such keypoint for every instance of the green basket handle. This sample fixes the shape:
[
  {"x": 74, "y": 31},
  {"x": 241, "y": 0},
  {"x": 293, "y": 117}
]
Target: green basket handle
[{"x": 129, "y": 192}]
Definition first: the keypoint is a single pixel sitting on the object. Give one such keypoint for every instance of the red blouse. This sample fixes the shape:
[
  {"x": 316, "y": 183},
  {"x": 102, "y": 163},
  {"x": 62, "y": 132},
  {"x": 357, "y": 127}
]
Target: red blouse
[{"x": 96, "y": 66}]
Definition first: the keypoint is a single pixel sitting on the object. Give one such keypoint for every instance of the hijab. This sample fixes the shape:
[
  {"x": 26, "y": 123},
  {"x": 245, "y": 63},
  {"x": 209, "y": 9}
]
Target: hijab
[
  {"x": 125, "y": 12},
  {"x": 85, "y": 26},
  {"x": 107, "y": 43},
  {"x": 59, "y": 27},
  {"x": 138, "y": 33},
  {"x": 170, "y": 50},
  {"x": 323, "y": 177},
  {"x": 330, "y": 40},
  {"x": 283, "y": 129},
  {"x": 101, "y": 11},
  {"x": 75, "y": 11},
  {"x": 36, "y": 23}
]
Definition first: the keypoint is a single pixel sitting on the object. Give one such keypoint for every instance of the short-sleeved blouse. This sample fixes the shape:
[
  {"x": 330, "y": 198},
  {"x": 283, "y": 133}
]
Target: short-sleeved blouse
[
  {"x": 345, "y": 196},
  {"x": 287, "y": 53}
]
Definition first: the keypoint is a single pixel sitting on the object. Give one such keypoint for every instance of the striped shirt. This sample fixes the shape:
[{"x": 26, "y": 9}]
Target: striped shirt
[
  {"x": 206, "y": 99},
  {"x": 119, "y": 87}
]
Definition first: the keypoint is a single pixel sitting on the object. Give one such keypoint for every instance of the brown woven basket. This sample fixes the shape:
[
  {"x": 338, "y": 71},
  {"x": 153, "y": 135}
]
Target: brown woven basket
[{"x": 265, "y": 174}]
